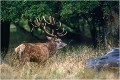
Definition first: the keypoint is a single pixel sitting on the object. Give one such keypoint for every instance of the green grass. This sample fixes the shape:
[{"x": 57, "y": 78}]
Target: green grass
[{"x": 67, "y": 63}]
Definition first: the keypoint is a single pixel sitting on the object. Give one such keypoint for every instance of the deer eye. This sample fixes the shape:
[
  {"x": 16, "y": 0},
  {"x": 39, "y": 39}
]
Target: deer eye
[{"x": 58, "y": 41}]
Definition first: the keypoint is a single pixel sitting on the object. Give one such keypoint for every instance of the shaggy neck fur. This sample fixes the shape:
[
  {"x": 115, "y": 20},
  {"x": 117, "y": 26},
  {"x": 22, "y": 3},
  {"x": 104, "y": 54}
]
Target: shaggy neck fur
[{"x": 52, "y": 46}]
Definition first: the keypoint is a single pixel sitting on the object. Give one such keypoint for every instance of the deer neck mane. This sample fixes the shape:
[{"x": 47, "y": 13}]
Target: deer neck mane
[{"x": 52, "y": 46}]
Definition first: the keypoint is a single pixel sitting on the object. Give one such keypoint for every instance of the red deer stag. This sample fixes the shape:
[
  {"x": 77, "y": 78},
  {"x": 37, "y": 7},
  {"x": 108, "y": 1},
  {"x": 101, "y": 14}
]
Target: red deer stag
[{"x": 40, "y": 52}]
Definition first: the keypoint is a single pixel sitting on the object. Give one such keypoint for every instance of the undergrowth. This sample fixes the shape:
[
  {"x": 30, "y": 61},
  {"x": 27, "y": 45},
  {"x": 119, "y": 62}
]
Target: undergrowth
[{"x": 67, "y": 63}]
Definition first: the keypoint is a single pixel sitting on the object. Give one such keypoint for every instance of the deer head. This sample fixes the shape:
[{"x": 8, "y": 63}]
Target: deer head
[
  {"x": 59, "y": 43},
  {"x": 54, "y": 32}
]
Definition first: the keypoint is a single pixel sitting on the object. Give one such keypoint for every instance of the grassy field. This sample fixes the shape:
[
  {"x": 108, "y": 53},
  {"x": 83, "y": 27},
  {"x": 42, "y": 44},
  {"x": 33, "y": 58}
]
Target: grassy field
[{"x": 67, "y": 63}]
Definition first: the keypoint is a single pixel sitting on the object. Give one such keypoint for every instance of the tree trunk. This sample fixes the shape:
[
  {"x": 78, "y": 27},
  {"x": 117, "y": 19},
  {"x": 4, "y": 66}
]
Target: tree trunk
[
  {"x": 94, "y": 33},
  {"x": 98, "y": 19},
  {"x": 5, "y": 33}
]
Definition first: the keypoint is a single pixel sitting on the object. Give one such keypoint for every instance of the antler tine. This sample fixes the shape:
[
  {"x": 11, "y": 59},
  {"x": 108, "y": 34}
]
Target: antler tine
[
  {"x": 32, "y": 29},
  {"x": 36, "y": 19},
  {"x": 62, "y": 33},
  {"x": 33, "y": 25},
  {"x": 60, "y": 26},
  {"x": 44, "y": 28},
  {"x": 50, "y": 18},
  {"x": 46, "y": 20},
  {"x": 52, "y": 31},
  {"x": 38, "y": 22},
  {"x": 39, "y": 19},
  {"x": 53, "y": 20},
  {"x": 60, "y": 23}
]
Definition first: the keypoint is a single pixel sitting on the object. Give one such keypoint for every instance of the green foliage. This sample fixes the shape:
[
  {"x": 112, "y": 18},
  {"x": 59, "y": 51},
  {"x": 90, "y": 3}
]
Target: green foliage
[
  {"x": 36, "y": 9},
  {"x": 66, "y": 9},
  {"x": 72, "y": 8},
  {"x": 14, "y": 10},
  {"x": 76, "y": 16},
  {"x": 111, "y": 5},
  {"x": 10, "y": 10}
]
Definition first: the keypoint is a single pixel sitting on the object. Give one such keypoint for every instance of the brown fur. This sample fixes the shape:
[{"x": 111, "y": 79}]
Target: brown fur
[{"x": 35, "y": 52}]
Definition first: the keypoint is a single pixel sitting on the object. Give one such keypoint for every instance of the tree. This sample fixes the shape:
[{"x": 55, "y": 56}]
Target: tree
[
  {"x": 83, "y": 20},
  {"x": 10, "y": 11}
]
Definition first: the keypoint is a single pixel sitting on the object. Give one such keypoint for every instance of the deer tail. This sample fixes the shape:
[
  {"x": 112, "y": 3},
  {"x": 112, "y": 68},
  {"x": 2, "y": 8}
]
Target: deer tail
[{"x": 20, "y": 49}]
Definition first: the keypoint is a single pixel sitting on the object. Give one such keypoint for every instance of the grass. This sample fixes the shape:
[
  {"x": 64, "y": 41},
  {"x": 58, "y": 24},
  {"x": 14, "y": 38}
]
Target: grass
[{"x": 67, "y": 63}]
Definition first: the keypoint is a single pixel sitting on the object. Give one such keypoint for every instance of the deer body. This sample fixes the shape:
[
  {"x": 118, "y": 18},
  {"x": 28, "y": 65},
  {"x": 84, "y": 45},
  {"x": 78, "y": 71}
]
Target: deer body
[{"x": 37, "y": 52}]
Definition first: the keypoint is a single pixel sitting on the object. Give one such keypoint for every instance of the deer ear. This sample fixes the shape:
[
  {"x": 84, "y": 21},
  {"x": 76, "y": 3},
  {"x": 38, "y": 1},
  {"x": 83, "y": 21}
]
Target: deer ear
[{"x": 49, "y": 38}]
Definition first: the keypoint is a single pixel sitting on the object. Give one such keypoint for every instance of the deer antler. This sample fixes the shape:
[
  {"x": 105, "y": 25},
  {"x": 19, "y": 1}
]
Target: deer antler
[
  {"x": 59, "y": 27},
  {"x": 61, "y": 33},
  {"x": 52, "y": 21},
  {"x": 37, "y": 22},
  {"x": 52, "y": 25},
  {"x": 54, "y": 31},
  {"x": 50, "y": 34}
]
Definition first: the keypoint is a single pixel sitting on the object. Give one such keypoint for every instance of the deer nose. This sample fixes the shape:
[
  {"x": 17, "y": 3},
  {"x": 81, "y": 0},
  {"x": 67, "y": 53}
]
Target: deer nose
[{"x": 64, "y": 44}]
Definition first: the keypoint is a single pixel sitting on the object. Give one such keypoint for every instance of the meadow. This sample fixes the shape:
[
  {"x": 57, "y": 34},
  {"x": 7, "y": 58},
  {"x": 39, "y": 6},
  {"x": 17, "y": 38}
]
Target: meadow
[{"x": 67, "y": 63}]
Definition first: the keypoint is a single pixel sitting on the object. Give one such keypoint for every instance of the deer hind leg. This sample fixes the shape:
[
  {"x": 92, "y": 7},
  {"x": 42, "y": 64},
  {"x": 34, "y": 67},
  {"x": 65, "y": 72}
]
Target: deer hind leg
[
  {"x": 21, "y": 55},
  {"x": 25, "y": 61},
  {"x": 29, "y": 71},
  {"x": 22, "y": 60}
]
